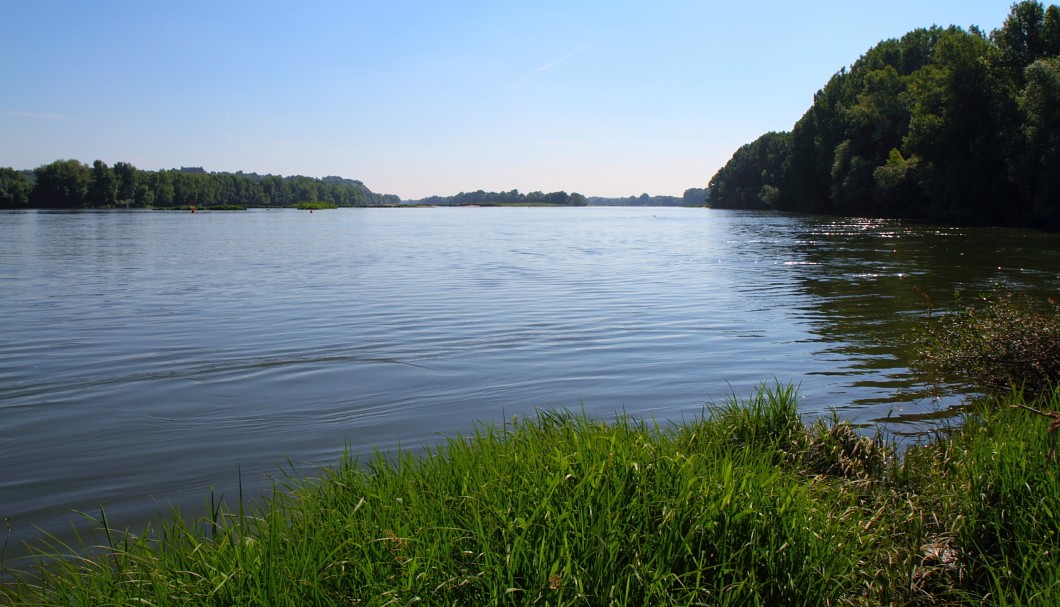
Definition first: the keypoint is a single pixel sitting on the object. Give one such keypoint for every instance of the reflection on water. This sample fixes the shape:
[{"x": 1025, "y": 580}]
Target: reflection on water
[
  {"x": 150, "y": 356},
  {"x": 871, "y": 281}
]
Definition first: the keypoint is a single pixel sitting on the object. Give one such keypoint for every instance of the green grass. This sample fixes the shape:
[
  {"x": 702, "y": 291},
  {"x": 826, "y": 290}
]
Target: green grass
[
  {"x": 743, "y": 506},
  {"x": 216, "y": 207},
  {"x": 315, "y": 206}
]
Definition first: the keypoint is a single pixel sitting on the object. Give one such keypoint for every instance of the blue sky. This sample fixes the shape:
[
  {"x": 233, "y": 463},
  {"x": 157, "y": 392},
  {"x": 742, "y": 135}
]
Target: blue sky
[{"x": 606, "y": 98}]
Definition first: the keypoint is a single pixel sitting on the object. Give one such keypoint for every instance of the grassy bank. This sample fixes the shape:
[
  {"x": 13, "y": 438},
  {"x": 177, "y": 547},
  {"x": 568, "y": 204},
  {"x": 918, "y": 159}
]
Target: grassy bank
[
  {"x": 216, "y": 207},
  {"x": 746, "y": 506},
  {"x": 314, "y": 205}
]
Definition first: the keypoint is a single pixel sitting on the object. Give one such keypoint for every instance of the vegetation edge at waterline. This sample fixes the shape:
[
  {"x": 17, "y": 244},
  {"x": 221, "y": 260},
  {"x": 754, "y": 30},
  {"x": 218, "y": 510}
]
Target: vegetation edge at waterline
[{"x": 745, "y": 505}]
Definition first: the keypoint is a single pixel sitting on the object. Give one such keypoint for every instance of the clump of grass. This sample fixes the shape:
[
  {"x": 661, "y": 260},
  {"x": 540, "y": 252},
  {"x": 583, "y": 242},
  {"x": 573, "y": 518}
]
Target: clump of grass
[
  {"x": 837, "y": 448},
  {"x": 1004, "y": 483},
  {"x": 745, "y": 505},
  {"x": 215, "y": 207},
  {"x": 768, "y": 421},
  {"x": 315, "y": 206},
  {"x": 564, "y": 510}
]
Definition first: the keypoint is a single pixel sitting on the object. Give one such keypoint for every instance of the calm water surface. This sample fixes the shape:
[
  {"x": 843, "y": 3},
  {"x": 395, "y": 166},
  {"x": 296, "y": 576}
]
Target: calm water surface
[{"x": 148, "y": 356}]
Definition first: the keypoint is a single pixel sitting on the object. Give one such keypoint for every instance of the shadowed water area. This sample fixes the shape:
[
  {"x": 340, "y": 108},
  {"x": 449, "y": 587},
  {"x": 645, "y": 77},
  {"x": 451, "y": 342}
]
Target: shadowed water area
[{"x": 149, "y": 356}]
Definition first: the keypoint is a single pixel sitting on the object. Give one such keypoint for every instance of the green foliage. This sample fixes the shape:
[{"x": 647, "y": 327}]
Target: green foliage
[
  {"x": 513, "y": 197},
  {"x": 126, "y": 176},
  {"x": 751, "y": 179},
  {"x": 836, "y": 448},
  {"x": 71, "y": 184},
  {"x": 1010, "y": 499},
  {"x": 769, "y": 420},
  {"x": 102, "y": 186},
  {"x": 1039, "y": 166},
  {"x": 191, "y": 207},
  {"x": 959, "y": 126},
  {"x": 898, "y": 184},
  {"x": 942, "y": 124},
  {"x": 695, "y": 197},
  {"x": 577, "y": 200},
  {"x": 61, "y": 184},
  {"x": 692, "y": 197},
  {"x": 315, "y": 205},
  {"x": 995, "y": 489},
  {"x": 1029, "y": 33},
  {"x": 1002, "y": 341},
  {"x": 14, "y": 189}
]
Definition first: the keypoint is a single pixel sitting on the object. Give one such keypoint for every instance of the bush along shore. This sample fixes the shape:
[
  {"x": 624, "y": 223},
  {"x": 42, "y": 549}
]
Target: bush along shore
[{"x": 746, "y": 505}]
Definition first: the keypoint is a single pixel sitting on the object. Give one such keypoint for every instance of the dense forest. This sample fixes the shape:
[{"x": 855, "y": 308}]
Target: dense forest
[
  {"x": 70, "y": 184},
  {"x": 512, "y": 197},
  {"x": 693, "y": 197},
  {"x": 948, "y": 125}
]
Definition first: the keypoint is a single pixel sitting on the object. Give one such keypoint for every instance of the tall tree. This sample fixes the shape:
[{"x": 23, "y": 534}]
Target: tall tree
[
  {"x": 957, "y": 129},
  {"x": 126, "y": 176},
  {"x": 694, "y": 197},
  {"x": 1040, "y": 160},
  {"x": 943, "y": 124},
  {"x": 14, "y": 189},
  {"x": 156, "y": 190},
  {"x": 1025, "y": 37},
  {"x": 102, "y": 186},
  {"x": 61, "y": 184},
  {"x": 754, "y": 177}
]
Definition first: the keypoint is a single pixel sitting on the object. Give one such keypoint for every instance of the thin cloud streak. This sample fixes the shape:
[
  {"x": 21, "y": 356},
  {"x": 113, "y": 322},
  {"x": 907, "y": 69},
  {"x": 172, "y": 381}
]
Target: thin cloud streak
[
  {"x": 551, "y": 64},
  {"x": 573, "y": 144},
  {"x": 232, "y": 138}
]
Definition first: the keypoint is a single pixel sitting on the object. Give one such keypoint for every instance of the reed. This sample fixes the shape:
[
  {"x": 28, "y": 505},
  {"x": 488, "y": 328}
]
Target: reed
[
  {"x": 745, "y": 505},
  {"x": 314, "y": 205},
  {"x": 215, "y": 207}
]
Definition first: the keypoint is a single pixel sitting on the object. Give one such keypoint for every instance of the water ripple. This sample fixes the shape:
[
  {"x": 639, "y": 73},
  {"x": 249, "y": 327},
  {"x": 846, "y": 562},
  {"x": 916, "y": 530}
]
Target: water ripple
[{"x": 148, "y": 356}]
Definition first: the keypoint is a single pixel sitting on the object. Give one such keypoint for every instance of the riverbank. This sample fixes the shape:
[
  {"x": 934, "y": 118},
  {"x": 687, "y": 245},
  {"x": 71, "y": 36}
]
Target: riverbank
[{"x": 745, "y": 506}]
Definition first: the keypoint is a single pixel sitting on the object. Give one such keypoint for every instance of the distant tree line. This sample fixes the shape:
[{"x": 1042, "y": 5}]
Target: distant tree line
[
  {"x": 70, "y": 184},
  {"x": 480, "y": 197},
  {"x": 693, "y": 197},
  {"x": 942, "y": 124}
]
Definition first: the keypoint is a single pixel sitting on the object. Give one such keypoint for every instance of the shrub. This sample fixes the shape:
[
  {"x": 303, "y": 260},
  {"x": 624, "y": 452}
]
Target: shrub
[{"x": 1003, "y": 341}]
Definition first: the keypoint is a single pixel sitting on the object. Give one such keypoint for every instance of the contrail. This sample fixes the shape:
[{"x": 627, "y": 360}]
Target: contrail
[
  {"x": 550, "y": 65},
  {"x": 232, "y": 137}
]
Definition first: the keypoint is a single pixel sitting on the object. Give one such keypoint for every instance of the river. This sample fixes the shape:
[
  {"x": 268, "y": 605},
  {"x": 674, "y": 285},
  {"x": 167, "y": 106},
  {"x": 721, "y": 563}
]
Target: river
[{"x": 148, "y": 357}]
